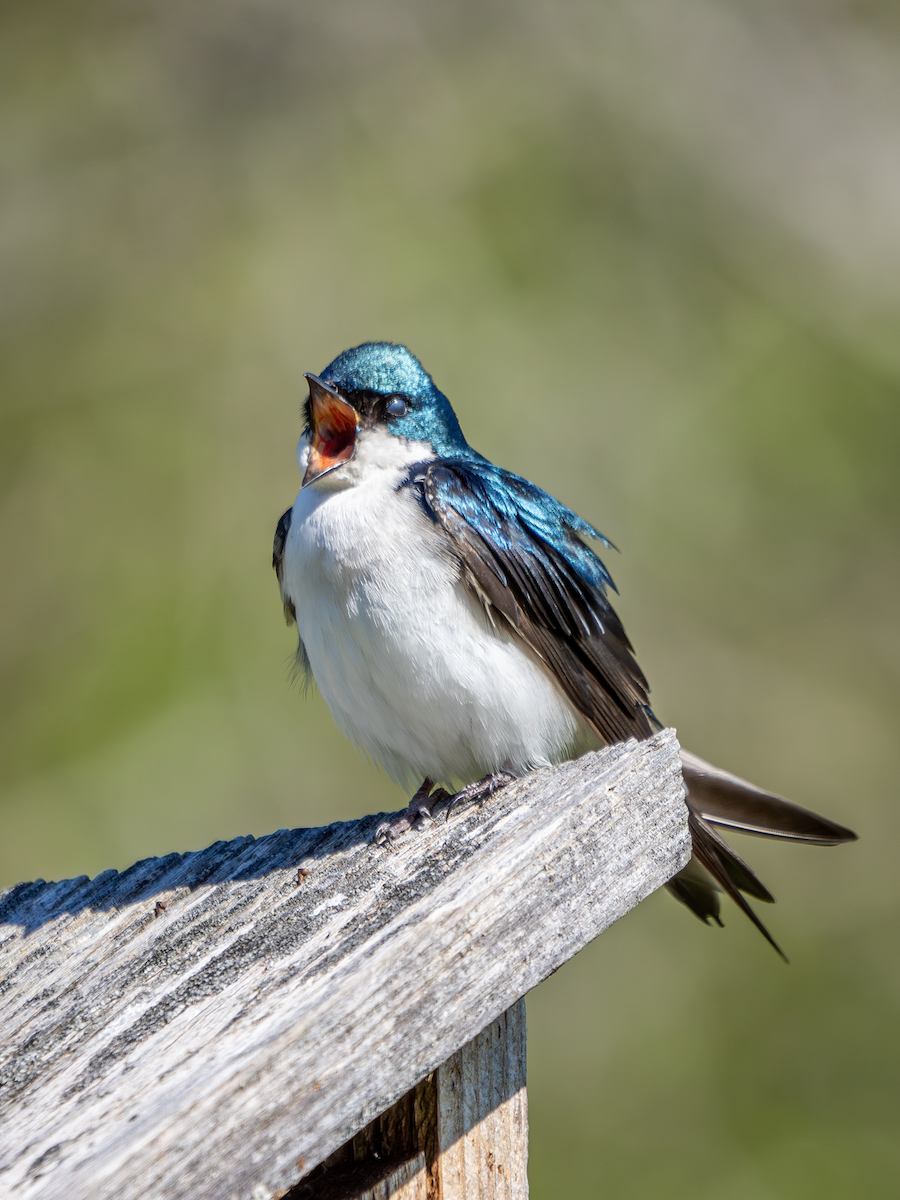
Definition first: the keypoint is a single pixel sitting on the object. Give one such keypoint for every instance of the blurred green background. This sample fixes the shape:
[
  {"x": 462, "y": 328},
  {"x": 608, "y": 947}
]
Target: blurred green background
[{"x": 652, "y": 253}]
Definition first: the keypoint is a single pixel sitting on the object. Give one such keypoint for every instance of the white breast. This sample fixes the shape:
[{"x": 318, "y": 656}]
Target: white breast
[{"x": 407, "y": 660}]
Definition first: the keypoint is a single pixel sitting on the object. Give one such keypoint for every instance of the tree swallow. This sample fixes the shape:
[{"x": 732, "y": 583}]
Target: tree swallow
[{"x": 458, "y": 624}]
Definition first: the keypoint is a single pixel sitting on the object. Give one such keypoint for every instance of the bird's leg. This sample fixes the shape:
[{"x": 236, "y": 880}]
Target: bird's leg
[
  {"x": 421, "y": 805},
  {"x": 424, "y": 801},
  {"x": 481, "y": 788}
]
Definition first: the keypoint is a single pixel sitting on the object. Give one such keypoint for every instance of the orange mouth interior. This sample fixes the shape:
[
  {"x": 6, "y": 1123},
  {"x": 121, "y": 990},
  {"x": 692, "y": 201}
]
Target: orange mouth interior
[{"x": 334, "y": 434}]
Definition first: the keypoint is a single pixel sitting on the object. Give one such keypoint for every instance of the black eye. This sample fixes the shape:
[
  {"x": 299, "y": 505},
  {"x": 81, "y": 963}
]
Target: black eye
[{"x": 396, "y": 407}]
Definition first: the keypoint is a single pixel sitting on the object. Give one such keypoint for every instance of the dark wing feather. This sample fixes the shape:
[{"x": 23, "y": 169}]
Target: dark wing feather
[
  {"x": 521, "y": 552},
  {"x": 290, "y": 613},
  {"x": 281, "y": 532}
]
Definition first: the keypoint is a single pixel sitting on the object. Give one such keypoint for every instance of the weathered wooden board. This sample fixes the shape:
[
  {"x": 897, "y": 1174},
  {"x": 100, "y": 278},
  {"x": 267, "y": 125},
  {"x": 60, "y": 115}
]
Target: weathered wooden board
[
  {"x": 483, "y": 1115},
  {"x": 258, "y": 1022},
  {"x": 460, "y": 1134}
]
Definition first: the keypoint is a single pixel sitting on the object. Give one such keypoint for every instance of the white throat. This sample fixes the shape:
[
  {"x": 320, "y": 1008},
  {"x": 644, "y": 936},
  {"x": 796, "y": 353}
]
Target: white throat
[{"x": 377, "y": 452}]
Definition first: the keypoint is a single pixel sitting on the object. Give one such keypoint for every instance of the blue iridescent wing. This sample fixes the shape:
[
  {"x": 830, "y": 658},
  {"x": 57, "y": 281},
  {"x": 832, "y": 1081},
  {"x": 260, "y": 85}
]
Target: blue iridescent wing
[{"x": 522, "y": 553}]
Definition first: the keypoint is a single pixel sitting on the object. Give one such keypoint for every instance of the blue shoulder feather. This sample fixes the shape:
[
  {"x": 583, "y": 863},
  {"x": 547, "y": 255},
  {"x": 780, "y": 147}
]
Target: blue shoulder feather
[{"x": 522, "y": 552}]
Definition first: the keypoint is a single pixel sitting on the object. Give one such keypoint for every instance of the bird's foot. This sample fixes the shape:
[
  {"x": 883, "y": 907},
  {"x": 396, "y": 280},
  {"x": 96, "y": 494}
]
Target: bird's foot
[
  {"x": 420, "y": 807},
  {"x": 481, "y": 789}
]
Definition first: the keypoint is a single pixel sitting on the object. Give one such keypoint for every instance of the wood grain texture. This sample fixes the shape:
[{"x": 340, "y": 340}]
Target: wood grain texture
[
  {"x": 460, "y": 1134},
  {"x": 406, "y": 1183},
  {"x": 483, "y": 1115},
  {"x": 405, "y": 1179},
  {"x": 249, "y": 1030}
]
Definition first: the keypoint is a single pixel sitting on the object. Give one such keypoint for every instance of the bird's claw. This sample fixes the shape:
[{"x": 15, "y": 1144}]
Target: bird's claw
[
  {"x": 480, "y": 789},
  {"x": 389, "y": 831},
  {"x": 420, "y": 808}
]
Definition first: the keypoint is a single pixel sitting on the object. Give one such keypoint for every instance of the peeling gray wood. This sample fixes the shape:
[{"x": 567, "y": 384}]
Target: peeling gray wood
[{"x": 256, "y": 1024}]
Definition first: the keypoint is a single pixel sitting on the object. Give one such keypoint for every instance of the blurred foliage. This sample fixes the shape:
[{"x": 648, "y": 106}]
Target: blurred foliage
[{"x": 651, "y": 252}]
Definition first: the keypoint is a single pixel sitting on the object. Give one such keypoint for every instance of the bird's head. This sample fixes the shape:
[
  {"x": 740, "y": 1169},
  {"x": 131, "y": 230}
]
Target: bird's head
[{"x": 375, "y": 391}]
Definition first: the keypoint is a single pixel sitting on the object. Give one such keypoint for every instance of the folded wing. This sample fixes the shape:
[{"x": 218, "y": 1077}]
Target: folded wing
[{"x": 523, "y": 555}]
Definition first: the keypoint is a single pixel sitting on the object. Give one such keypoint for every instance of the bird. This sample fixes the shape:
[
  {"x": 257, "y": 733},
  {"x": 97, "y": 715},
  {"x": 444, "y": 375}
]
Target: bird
[{"x": 457, "y": 622}]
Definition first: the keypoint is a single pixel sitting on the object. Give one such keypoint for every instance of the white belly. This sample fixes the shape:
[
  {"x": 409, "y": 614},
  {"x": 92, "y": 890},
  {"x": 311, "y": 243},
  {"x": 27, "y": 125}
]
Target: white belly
[{"x": 408, "y": 662}]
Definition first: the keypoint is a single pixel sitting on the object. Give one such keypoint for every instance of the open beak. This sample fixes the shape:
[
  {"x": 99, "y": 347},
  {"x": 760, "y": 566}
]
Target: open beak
[{"x": 333, "y": 434}]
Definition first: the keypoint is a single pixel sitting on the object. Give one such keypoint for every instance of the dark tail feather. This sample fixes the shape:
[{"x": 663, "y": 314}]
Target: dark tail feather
[
  {"x": 716, "y": 797},
  {"x": 714, "y": 855},
  {"x": 693, "y": 887},
  {"x": 725, "y": 799},
  {"x": 740, "y": 873}
]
